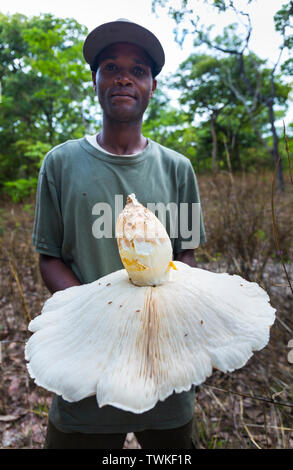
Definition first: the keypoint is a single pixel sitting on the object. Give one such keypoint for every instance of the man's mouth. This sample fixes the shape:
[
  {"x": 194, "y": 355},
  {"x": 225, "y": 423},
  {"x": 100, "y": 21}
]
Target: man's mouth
[{"x": 123, "y": 95}]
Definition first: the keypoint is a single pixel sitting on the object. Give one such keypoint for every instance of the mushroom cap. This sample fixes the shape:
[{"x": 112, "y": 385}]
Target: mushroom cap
[
  {"x": 144, "y": 245},
  {"x": 133, "y": 346}
]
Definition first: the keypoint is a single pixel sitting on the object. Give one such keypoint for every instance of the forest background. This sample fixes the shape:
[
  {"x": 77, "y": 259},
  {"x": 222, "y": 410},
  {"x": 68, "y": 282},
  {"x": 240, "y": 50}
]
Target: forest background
[{"x": 227, "y": 119}]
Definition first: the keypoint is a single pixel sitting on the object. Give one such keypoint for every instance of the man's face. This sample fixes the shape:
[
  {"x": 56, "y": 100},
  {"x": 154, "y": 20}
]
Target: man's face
[{"x": 124, "y": 82}]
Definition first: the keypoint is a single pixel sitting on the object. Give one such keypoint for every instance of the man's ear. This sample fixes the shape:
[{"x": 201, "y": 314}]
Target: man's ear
[
  {"x": 153, "y": 87},
  {"x": 94, "y": 78}
]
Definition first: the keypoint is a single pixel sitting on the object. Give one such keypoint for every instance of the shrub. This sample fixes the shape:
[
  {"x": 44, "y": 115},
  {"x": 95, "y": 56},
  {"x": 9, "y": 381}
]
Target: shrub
[{"x": 20, "y": 189}]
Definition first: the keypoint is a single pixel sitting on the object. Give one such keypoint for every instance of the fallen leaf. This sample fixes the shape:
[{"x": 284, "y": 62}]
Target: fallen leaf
[
  {"x": 14, "y": 386},
  {"x": 8, "y": 417}
]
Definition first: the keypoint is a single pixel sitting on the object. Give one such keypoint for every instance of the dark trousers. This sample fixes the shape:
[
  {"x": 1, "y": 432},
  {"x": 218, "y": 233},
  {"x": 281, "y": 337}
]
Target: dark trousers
[{"x": 177, "y": 438}]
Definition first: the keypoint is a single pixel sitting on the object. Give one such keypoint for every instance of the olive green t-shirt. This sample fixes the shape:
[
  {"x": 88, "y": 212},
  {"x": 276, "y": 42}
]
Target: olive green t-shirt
[{"x": 81, "y": 191}]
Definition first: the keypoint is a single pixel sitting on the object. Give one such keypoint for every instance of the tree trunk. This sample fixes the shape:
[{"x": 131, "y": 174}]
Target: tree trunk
[
  {"x": 214, "y": 150},
  {"x": 275, "y": 149},
  {"x": 235, "y": 152}
]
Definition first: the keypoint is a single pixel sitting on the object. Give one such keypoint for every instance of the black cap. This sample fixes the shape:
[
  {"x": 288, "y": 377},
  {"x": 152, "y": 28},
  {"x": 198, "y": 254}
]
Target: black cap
[{"x": 123, "y": 30}]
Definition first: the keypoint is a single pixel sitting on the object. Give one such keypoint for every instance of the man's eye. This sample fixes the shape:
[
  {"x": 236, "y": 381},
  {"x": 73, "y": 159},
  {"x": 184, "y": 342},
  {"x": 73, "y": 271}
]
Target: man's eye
[
  {"x": 110, "y": 67},
  {"x": 139, "y": 71}
]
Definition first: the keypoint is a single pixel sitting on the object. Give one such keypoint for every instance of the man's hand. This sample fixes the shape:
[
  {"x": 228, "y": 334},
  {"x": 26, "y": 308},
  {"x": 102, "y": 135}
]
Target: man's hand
[
  {"x": 186, "y": 256},
  {"x": 56, "y": 275}
]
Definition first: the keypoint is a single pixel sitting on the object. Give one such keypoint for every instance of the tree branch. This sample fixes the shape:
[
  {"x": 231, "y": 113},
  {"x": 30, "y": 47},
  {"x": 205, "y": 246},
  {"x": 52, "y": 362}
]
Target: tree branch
[{"x": 248, "y": 109}]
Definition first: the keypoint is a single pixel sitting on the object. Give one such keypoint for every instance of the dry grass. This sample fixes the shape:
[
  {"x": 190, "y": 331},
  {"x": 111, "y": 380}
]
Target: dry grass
[
  {"x": 238, "y": 219},
  {"x": 231, "y": 410}
]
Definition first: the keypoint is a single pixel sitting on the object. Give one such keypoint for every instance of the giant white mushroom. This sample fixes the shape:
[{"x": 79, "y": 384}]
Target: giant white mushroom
[{"x": 135, "y": 336}]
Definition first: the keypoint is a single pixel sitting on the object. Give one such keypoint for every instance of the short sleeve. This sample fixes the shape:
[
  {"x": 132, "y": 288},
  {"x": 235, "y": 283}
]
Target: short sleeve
[
  {"x": 48, "y": 228},
  {"x": 191, "y": 231}
]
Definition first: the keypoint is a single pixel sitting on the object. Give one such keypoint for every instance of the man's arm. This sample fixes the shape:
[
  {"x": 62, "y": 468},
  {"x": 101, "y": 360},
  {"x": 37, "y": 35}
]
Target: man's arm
[
  {"x": 56, "y": 275},
  {"x": 186, "y": 256}
]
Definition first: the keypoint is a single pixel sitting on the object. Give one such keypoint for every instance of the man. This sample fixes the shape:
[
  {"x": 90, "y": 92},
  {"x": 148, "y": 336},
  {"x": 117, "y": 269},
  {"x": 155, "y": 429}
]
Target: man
[{"x": 83, "y": 178}]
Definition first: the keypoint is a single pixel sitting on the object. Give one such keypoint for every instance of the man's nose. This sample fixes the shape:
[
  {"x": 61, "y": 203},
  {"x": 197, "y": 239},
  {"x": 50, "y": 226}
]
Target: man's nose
[{"x": 123, "y": 79}]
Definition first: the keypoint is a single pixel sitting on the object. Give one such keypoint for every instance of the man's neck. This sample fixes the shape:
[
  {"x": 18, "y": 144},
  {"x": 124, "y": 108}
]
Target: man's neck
[{"x": 122, "y": 138}]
